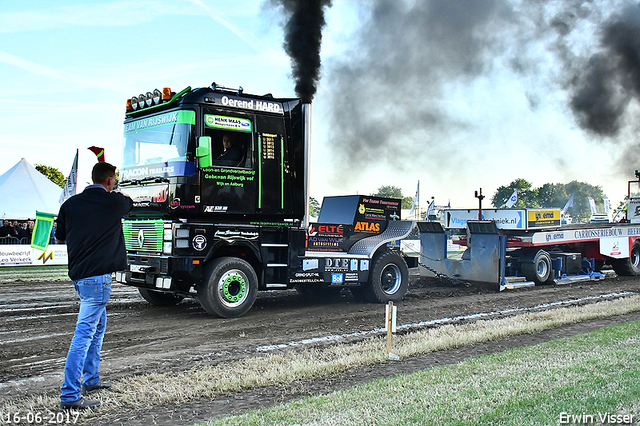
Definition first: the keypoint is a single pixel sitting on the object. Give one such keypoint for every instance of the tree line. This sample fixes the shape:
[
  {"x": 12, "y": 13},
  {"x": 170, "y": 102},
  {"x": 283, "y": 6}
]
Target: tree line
[
  {"x": 552, "y": 195},
  {"x": 549, "y": 195}
]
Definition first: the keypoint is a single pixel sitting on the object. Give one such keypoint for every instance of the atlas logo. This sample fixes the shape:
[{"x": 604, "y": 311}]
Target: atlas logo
[{"x": 367, "y": 227}]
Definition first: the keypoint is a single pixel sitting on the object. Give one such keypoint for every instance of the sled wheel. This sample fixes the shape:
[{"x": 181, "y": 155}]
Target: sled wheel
[
  {"x": 159, "y": 298},
  {"x": 229, "y": 289},
  {"x": 388, "y": 279},
  {"x": 538, "y": 271}
]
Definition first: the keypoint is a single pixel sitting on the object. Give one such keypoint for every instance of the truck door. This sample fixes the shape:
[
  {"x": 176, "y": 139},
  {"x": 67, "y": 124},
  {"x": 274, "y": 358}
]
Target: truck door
[
  {"x": 272, "y": 168},
  {"x": 229, "y": 185}
]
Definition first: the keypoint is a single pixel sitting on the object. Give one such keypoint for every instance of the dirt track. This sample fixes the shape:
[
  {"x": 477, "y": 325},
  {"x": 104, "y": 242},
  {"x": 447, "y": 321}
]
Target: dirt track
[{"x": 37, "y": 321}]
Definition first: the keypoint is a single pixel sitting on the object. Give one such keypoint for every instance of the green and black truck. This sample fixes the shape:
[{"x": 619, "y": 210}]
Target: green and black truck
[{"x": 221, "y": 227}]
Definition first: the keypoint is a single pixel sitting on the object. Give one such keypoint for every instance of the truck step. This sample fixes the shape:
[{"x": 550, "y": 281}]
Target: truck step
[{"x": 275, "y": 285}]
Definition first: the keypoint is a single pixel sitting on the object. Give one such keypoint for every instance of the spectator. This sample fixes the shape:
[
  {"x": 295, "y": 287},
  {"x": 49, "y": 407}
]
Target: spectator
[
  {"x": 4, "y": 229},
  {"x": 23, "y": 232},
  {"x": 91, "y": 224},
  {"x": 53, "y": 232},
  {"x": 12, "y": 229}
]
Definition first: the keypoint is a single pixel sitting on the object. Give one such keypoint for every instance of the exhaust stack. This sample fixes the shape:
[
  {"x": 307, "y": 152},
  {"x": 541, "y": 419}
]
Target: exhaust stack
[{"x": 306, "y": 113}]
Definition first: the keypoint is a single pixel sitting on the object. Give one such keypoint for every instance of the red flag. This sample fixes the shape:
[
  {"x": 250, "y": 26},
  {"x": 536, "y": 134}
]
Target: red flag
[{"x": 99, "y": 152}]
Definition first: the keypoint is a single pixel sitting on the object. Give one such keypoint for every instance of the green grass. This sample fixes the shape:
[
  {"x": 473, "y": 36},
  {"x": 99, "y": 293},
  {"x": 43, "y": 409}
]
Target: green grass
[
  {"x": 34, "y": 273},
  {"x": 593, "y": 374}
]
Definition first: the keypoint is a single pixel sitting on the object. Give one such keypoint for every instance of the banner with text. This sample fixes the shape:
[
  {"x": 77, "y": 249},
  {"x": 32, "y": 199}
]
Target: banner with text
[{"x": 25, "y": 255}]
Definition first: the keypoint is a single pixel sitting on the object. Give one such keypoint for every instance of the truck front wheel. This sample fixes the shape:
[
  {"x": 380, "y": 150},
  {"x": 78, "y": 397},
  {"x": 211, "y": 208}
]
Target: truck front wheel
[
  {"x": 388, "y": 279},
  {"x": 229, "y": 288},
  {"x": 159, "y": 298}
]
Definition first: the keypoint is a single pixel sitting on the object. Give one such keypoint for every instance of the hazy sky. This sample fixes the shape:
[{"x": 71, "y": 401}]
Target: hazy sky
[{"x": 460, "y": 95}]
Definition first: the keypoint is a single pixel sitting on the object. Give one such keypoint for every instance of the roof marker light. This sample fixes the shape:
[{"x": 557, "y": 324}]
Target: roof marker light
[
  {"x": 157, "y": 97},
  {"x": 166, "y": 93},
  {"x": 149, "y": 99},
  {"x": 141, "y": 99},
  {"x": 134, "y": 102}
]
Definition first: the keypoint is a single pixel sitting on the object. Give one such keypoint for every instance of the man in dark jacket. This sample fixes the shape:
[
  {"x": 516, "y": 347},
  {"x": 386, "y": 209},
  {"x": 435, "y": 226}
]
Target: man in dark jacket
[{"x": 91, "y": 225}]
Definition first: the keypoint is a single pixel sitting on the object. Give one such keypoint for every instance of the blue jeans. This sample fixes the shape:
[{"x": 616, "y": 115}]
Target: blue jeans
[{"x": 83, "y": 359}]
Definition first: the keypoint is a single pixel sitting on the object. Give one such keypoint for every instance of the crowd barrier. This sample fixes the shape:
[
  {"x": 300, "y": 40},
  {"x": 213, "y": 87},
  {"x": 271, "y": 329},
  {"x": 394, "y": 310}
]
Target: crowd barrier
[{"x": 14, "y": 240}]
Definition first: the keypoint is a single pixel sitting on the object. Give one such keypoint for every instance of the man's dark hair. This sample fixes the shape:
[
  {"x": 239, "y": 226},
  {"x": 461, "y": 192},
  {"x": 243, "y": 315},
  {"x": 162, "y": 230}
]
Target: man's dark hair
[{"x": 102, "y": 171}]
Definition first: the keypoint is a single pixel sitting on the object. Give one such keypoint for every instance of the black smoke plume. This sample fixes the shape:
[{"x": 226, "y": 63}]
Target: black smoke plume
[
  {"x": 303, "y": 37},
  {"x": 388, "y": 103},
  {"x": 610, "y": 80},
  {"x": 389, "y": 98}
]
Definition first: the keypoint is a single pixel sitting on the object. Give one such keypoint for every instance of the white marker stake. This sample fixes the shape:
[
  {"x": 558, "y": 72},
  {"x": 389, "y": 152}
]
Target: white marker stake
[{"x": 390, "y": 321}]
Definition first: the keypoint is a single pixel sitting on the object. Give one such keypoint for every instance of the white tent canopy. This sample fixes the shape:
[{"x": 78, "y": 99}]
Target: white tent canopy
[{"x": 23, "y": 190}]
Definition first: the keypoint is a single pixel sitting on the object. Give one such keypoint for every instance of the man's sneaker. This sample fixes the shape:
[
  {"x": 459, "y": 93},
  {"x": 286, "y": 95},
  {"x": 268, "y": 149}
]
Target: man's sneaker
[
  {"x": 89, "y": 389},
  {"x": 81, "y": 404}
]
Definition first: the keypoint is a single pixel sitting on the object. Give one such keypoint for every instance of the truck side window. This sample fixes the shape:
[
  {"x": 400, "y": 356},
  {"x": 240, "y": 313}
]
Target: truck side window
[{"x": 230, "y": 148}]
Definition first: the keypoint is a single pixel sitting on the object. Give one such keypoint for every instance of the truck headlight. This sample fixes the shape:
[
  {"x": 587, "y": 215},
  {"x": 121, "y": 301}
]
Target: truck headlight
[
  {"x": 167, "y": 247},
  {"x": 182, "y": 243}
]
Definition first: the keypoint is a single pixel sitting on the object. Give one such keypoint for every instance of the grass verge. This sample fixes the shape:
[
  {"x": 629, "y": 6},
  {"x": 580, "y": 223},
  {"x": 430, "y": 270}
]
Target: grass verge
[
  {"x": 282, "y": 368},
  {"x": 587, "y": 379},
  {"x": 34, "y": 273}
]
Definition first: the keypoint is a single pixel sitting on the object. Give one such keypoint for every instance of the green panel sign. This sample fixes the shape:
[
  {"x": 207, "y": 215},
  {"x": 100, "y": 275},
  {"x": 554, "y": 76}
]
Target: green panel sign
[
  {"x": 227, "y": 123},
  {"x": 170, "y": 118}
]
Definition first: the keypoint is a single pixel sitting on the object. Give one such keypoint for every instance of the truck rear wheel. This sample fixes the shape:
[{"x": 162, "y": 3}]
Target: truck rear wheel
[
  {"x": 229, "y": 288},
  {"x": 539, "y": 271},
  {"x": 159, "y": 298},
  {"x": 629, "y": 266},
  {"x": 388, "y": 279}
]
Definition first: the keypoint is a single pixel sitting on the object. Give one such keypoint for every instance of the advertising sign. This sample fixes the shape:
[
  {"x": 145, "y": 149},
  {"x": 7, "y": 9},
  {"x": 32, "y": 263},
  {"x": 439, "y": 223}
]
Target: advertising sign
[
  {"x": 633, "y": 210},
  {"x": 543, "y": 218},
  {"x": 229, "y": 123},
  {"x": 585, "y": 234},
  {"x": 514, "y": 219},
  {"x": 504, "y": 219},
  {"x": 615, "y": 247},
  {"x": 325, "y": 237},
  {"x": 25, "y": 255}
]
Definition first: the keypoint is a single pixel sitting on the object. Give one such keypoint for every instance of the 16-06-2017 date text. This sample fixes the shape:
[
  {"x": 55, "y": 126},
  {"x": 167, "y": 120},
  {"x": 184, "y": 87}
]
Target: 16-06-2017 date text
[{"x": 39, "y": 417}]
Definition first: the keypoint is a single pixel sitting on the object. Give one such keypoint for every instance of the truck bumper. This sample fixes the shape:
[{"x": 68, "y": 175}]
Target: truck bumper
[{"x": 173, "y": 274}]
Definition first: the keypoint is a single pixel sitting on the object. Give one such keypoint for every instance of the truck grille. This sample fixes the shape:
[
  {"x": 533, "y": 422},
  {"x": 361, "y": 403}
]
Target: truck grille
[{"x": 143, "y": 235}]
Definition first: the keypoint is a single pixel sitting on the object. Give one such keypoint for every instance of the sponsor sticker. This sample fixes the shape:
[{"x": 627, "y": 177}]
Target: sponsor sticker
[{"x": 199, "y": 242}]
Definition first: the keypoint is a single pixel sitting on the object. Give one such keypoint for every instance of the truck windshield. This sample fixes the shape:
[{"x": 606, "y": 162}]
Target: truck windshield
[{"x": 157, "y": 139}]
